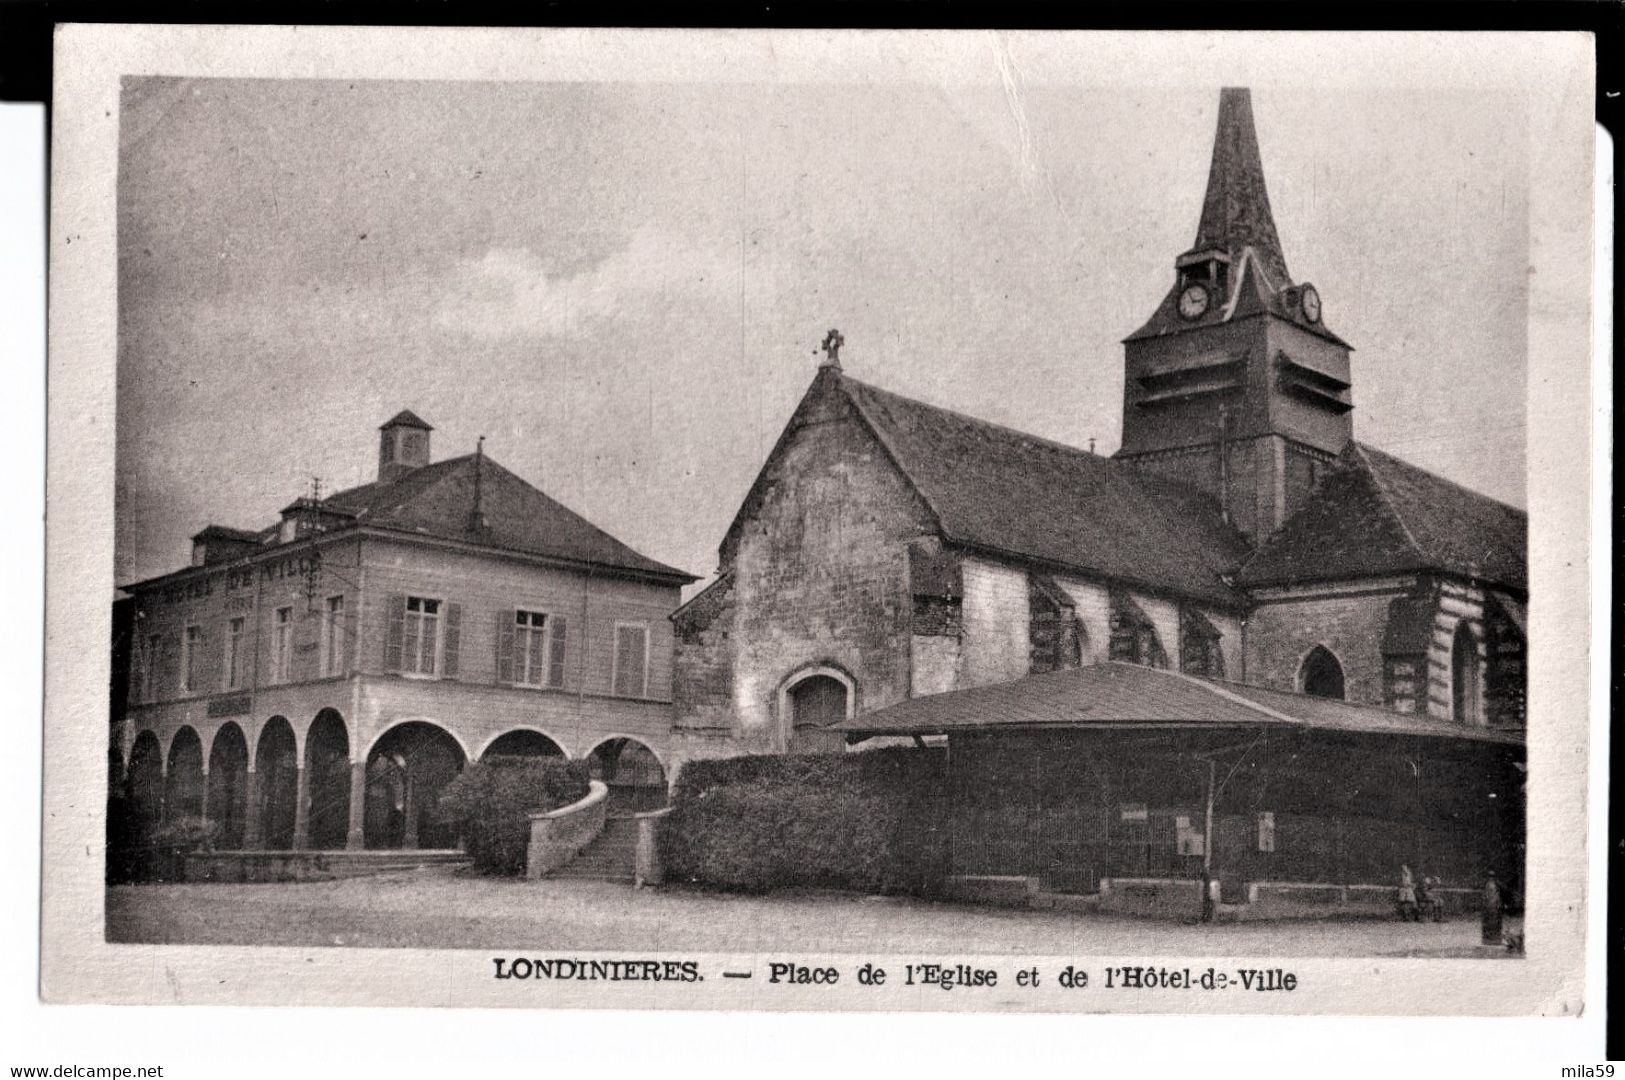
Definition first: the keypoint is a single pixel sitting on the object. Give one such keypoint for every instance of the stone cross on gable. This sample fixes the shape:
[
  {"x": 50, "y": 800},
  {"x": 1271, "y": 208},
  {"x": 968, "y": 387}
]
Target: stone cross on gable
[{"x": 831, "y": 349}]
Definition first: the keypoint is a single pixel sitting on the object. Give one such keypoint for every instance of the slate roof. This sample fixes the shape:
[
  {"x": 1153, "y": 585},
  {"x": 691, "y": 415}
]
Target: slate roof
[
  {"x": 1374, "y": 514},
  {"x": 1121, "y": 696},
  {"x": 998, "y": 489},
  {"x": 437, "y": 500}
]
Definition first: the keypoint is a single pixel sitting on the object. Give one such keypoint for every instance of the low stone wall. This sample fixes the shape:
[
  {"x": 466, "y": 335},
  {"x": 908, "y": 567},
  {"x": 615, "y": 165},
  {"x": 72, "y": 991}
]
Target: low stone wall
[
  {"x": 1002, "y": 889},
  {"x": 558, "y": 836},
  {"x": 1284, "y": 899},
  {"x": 1159, "y": 897},
  {"x": 262, "y": 867}
]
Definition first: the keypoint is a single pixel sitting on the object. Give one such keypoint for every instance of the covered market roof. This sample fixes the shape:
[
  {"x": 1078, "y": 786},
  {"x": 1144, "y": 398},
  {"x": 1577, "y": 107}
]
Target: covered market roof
[{"x": 1127, "y": 696}]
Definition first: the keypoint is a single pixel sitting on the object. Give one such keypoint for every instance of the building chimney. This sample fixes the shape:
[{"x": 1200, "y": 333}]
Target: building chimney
[{"x": 403, "y": 445}]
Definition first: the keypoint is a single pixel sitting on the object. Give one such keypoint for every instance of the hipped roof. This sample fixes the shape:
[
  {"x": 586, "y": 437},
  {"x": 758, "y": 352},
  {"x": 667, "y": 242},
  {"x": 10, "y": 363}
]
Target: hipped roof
[
  {"x": 1120, "y": 696},
  {"x": 1374, "y": 514}
]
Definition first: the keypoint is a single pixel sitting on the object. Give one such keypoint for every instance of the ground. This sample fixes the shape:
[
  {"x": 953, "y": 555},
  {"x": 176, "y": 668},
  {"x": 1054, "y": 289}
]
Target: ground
[{"x": 444, "y": 909}]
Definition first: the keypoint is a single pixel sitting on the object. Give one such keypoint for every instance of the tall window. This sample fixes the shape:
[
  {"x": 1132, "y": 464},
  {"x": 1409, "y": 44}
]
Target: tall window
[
  {"x": 631, "y": 675},
  {"x": 191, "y": 642},
  {"x": 538, "y": 649},
  {"x": 150, "y": 665},
  {"x": 420, "y": 638},
  {"x": 281, "y": 644},
  {"x": 1465, "y": 683},
  {"x": 333, "y": 636},
  {"x": 234, "y": 653}
]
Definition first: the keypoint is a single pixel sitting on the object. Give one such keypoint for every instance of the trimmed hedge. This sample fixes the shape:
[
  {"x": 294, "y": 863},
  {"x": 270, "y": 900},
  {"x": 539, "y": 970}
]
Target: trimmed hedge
[
  {"x": 869, "y": 822},
  {"x": 490, "y": 803}
]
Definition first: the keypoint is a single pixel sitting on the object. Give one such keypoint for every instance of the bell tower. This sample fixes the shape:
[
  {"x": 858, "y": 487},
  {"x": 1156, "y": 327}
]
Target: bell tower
[
  {"x": 403, "y": 446},
  {"x": 1236, "y": 383}
]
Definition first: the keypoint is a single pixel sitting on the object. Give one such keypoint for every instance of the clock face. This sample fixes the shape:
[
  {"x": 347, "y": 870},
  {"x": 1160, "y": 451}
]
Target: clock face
[
  {"x": 1311, "y": 304},
  {"x": 1193, "y": 301}
]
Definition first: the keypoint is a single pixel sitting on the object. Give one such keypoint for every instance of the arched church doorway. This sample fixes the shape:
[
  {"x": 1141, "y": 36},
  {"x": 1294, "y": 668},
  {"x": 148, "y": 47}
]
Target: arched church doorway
[
  {"x": 406, "y": 771},
  {"x": 814, "y": 704},
  {"x": 1321, "y": 675}
]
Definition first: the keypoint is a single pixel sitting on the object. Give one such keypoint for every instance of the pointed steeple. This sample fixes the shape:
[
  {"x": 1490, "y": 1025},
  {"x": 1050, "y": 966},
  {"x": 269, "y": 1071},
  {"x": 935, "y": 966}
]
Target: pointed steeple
[{"x": 1236, "y": 209}]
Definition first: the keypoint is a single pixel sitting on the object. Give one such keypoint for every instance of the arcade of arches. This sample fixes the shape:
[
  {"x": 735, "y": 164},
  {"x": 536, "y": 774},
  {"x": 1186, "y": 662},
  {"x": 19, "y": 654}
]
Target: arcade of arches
[{"x": 277, "y": 799}]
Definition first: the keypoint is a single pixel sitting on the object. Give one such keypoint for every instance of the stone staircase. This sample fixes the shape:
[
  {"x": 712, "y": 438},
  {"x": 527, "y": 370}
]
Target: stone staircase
[{"x": 611, "y": 857}]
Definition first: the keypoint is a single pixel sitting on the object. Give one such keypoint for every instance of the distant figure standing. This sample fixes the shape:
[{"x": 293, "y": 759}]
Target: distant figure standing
[
  {"x": 1431, "y": 898},
  {"x": 1493, "y": 906},
  {"x": 1407, "y": 896}
]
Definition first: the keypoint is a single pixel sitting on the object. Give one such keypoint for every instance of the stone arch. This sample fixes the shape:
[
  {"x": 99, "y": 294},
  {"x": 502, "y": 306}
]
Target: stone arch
[
  {"x": 227, "y": 795},
  {"x": 810, "y": 701},
  {"x": 1321, "y": 674},
  {"x": 276, "y": 764},
  {"x": 407, "y": 767},
  {"x": 183, "y": 778},
  {"x": 145, "y": 778},
  {"x": 327, "y": 779},
  {"x": 1466, "y": 675},
  {"x": 633, "y": 772},
  {"x": 523, "y": 742}
]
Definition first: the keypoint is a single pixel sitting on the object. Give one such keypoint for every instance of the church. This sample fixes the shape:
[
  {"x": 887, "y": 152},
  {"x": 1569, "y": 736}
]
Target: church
[{"x": 1245, "y": 648}]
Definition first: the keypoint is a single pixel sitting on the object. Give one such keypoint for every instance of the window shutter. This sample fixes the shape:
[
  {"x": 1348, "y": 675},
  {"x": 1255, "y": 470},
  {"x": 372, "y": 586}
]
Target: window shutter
[
  {"x": 555, "y": 660},
  {"x": 350, "y": 634},
  {"x": 307, "y": 650},
  {"x": 394, "y": 631},
  {"x": 505, "y": 635},
  {"x": 454, "y": 639}
]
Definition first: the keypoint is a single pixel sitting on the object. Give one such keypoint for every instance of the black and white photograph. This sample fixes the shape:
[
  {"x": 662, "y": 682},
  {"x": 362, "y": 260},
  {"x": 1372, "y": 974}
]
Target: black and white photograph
[{"x": 1038, "y": 517}]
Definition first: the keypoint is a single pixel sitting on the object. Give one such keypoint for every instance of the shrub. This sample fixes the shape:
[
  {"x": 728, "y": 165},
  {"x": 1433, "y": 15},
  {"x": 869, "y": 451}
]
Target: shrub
[
  {"x": 868, "y": 822},
  {"x": 491, "y": 801}
]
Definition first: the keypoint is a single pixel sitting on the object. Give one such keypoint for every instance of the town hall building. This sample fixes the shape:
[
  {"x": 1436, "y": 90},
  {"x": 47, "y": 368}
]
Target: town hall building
[
  {"x": 1245, "y": 646},
  {"x": 313, "y": 684}
]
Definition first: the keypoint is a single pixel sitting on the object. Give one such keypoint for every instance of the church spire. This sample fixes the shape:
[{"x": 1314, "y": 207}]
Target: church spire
[{"x": 1236, "y": 209}]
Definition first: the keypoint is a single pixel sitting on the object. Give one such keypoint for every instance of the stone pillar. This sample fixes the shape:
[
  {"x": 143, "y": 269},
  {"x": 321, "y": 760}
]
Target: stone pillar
[
  {"x": 301, "y": 809},
  {"x": 253, "y": 833},
  {"x": 203, "y": 801},
  {"x": 409, "y": 808},
  {"x": 355, "y": 839}
]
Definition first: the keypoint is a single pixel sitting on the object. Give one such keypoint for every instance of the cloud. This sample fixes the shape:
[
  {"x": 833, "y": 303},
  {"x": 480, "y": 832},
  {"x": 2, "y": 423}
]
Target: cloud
[{"x": 509, "y": 292}]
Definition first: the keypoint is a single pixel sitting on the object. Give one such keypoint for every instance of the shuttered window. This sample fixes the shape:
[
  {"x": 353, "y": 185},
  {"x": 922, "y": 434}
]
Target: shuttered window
[
  {"x": 191, "y": 649},
  {"x": 631, "y": 674},
  {"x": 420, "y": 636},
  {"x": 150, "y": 663},
  {"x": 234, "y": 653},
  {"x": 530, "y": 649},
  {"x": 281, "y": 644},
  {"x": 333, "y": 635},
  {"x": 424, "y": 636}
]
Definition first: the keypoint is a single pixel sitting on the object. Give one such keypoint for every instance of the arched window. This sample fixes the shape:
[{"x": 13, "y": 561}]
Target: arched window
[
  {"x": 1321, "y": 675},
  {"x": 812, "y": 704},
  {"x": 1133, "y": 636},
  {"x": 1466, "y": 686}
]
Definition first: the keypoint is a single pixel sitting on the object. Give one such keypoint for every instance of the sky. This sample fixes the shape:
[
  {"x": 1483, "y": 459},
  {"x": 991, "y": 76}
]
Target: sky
[{"x": 623, "y": 286}]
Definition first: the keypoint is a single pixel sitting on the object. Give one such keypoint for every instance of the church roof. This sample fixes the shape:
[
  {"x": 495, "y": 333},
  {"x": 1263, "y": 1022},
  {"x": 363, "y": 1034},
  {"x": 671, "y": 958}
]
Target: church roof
[
  {"x": 1005, "y": 491},
  {"x": 1126, "y": 697},
  {"x": 437, "y": 500},
  {"x": 1374, "y": 514}
]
